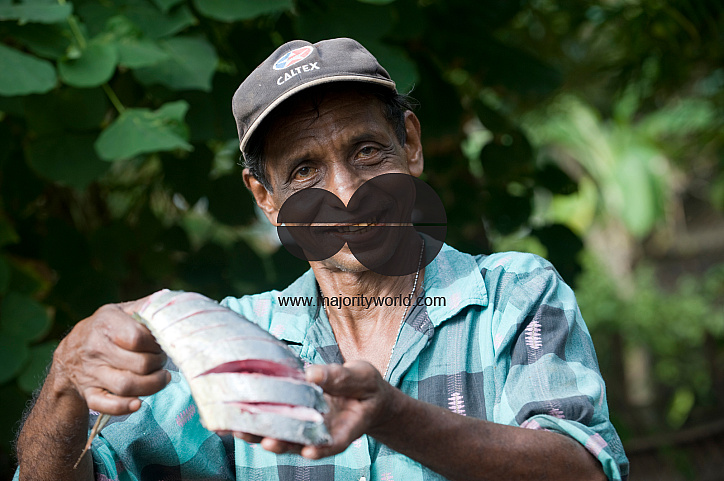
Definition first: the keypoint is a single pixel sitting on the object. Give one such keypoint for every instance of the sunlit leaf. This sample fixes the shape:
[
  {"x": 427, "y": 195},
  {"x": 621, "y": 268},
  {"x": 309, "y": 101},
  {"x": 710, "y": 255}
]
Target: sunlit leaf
[
  {"x": 68, "y": 158},
  {"x": 191, "y": 65},
  {"x": 95, "y": 66},
  {"x": 23, "y": 74},
  {"x": 34, "y": 372},
  {"x": 138, "y": 131},
  {"x": 240, "y": 9},
  {"x": 40, "y": 13},
  {"x": 23, "y": 317}
]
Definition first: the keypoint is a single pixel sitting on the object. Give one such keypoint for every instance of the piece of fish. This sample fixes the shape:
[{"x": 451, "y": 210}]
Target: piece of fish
[{"x": 241, "y": 377}]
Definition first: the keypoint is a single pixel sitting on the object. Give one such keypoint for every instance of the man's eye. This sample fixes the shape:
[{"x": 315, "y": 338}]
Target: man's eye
[
  {"x": 304, "y": 173},
  {"x": 366, "y": 152}
]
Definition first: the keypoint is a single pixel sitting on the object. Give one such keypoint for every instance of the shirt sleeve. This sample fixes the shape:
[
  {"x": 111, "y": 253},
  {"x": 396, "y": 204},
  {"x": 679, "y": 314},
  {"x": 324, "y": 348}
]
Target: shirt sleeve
[{"x": 548, "y": 375}]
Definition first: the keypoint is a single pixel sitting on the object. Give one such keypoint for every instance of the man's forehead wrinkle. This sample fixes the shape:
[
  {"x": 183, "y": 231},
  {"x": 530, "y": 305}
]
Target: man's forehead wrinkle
[{"x": 312, "y": 129}]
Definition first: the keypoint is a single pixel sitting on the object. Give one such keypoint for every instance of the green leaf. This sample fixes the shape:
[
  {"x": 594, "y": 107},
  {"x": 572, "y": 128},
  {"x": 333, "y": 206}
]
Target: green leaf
[
  {"x": 4, "y": 275},
  {"x": 13, "y": 355},
  {"x": 377, "y": 2},
  {"x": 23, "y": 317},
  {"x": 49, "y": 41},
  {"x": 23, "y": 74},
  {"x": 138, "y": 131},
  {"x": 34, "y": 372},
  {"x": 136, "y": 53},
  {"x": 147, "y": 18},
  {"x": 39, "y": 13},
  {"x": 240, "y": 9},
  {"x": 95, "y": 66},
  {"x": 67, "y": 158},
  {"x": 191, "y": 65},
  {"x": 165, "y": 5}
]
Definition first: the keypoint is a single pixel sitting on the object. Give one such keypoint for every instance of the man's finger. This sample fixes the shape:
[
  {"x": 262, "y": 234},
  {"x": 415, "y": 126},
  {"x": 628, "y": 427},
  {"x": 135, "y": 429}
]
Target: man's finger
[
  {"x": 104, "y": 402},
  {"x": 354, "y": 379},
  {"x": 137, "y": 362},
  {"x": 126, "y": 383}
]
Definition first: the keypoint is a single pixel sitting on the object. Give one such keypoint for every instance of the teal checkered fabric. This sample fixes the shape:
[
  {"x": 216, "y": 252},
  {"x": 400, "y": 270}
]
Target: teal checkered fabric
[{"x": 509, "y": 346}]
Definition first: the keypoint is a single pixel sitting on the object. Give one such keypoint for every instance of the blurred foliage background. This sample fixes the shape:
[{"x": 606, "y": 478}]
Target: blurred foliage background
[{"x": 587, "y": 131}]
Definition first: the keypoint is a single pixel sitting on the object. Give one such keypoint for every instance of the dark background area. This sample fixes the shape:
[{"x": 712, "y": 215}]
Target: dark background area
[{"x": 589, "y": 132}]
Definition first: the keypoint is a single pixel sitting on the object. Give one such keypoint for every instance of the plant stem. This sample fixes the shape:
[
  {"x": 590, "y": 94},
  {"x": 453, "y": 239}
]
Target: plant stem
[
  {"x": 83, "y": 44},
  {"x": 113, "y": 98}
]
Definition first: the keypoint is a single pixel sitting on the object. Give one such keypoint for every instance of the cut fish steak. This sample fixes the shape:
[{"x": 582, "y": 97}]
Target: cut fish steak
[{"x": 241, "y": 377}]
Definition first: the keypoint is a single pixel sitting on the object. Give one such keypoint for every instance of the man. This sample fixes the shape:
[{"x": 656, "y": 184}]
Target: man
[{"x": 500, "y": 382}]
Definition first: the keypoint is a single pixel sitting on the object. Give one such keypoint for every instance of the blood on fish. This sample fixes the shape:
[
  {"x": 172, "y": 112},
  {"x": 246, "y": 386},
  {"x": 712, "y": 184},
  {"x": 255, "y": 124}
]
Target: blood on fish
[
  {"x": 287, "y": 410},
  {"x": 257, "y": 366}
]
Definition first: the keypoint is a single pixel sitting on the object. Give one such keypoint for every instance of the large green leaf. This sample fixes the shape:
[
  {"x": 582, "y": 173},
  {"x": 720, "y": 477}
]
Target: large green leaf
[
  {"x": 50, "y": 41},
  {"x": 68, "y": 158},
  {"x": 138, "y": 131},
  {"x": 240, "y": 9},
  {"x": 136, "y": 53},
  {"x": 146, "y": 17},
  {"x": 191, "y": 65},
  {"x": 34, "y": 372},
  {"x": 23, "y": 74},
  {"x": 13, "y": 355},
  {"x": 23, "y": 317},
  {"x": 95, "y": 66},
  {"x": 40, "y": 13}
]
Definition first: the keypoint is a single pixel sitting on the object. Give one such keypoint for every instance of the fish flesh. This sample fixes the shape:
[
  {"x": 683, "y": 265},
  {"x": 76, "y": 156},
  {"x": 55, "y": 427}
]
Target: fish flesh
[{"x": 241, "y": 377}]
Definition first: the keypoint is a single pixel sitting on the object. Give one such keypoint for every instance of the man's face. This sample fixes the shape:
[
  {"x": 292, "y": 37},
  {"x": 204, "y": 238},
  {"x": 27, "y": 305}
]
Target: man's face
[{"x": 337, "y": 147}]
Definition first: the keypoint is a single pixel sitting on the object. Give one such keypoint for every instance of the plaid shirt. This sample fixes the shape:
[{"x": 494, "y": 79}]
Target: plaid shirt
[{"x": 509, "y": 346}]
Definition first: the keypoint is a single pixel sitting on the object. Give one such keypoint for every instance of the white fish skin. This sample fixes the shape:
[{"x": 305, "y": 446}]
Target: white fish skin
[
  {"x": 229, "y": 416},
  {"x": 200, "y": 336},
  {"x": 235, "y": 387},
  {"x": 228, "y": 350}
]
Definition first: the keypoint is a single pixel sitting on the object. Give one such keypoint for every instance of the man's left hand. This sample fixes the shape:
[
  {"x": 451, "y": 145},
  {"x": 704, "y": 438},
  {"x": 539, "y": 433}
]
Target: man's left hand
[{"x": 359, "y": 400}]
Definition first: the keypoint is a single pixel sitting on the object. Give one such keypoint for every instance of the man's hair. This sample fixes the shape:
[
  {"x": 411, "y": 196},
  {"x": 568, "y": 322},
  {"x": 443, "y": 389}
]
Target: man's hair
[{"x": 393, "y": 105}]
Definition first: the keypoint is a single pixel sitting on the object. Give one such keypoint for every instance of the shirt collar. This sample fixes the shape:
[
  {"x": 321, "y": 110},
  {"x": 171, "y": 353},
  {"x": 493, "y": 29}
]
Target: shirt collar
[{"x": 452, "y": 282}]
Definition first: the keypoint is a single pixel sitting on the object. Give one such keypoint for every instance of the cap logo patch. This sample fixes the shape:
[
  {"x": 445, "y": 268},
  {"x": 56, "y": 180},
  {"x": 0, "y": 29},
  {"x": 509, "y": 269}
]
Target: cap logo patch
[{"x": 290, "y": 58}]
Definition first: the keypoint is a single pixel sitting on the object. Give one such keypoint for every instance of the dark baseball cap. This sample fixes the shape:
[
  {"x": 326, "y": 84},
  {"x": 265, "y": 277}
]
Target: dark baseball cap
[{"x": 298, "y": 65}]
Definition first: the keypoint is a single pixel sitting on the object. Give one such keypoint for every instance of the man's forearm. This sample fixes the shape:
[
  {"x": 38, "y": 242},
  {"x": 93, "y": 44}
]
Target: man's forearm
[
  {"x": 463, "y": 448},
  {"x": 53, "y": 436}
]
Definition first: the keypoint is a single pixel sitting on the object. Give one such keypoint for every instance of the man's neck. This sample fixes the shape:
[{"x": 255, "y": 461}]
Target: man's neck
[{"x": 363, "y": 330}]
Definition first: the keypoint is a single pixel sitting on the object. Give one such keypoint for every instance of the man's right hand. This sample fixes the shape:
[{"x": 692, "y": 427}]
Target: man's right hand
[
  {"x": 109, "y": 359},
  {"x": 104, "y": 363}
]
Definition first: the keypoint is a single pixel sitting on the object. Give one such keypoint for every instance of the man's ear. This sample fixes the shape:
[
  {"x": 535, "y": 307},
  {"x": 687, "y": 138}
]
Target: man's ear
[
  {"x": 413, "y": 144},
  {"x": 261, "y": 195}
]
